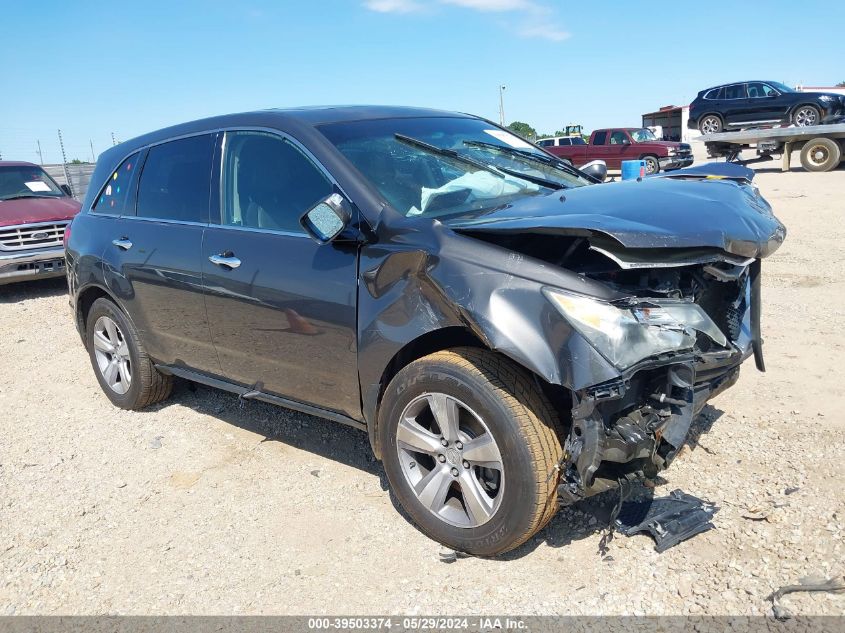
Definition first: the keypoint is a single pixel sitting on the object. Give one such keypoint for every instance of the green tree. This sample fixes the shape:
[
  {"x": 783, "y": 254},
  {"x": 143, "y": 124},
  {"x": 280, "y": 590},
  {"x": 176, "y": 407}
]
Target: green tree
[
  {"x": 841, "y": 84},
  {"x": 76, "y": 161},
  {"x": 523, "y": 129}
]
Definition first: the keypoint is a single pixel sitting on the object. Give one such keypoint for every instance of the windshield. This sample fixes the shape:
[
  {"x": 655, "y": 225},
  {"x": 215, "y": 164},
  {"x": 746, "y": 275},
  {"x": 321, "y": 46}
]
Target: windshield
[
  {"x": 27, "y": 181},
  {"x": 643, "y": 136},
  {"x": 447, "y": 166},
  {"x": 781, "y": 87}
]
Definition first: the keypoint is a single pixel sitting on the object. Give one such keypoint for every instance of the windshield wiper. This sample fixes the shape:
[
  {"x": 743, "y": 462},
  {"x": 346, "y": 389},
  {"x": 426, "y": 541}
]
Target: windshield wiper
[
  {"x": 24, "y": 195},
  {"x": 523, "y": 153},
  {"x": 449, "y": 153},
  {"x": 497, "y": 169}
]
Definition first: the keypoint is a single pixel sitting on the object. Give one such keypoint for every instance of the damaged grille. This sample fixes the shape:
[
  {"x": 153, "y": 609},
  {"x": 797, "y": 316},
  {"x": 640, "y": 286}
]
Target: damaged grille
[{"x": 25, "y": 236}]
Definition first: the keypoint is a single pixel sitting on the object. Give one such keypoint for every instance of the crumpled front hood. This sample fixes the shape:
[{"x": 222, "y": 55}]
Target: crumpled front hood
[
  {"x": 34, "y": 210},
  {"x": 652, "y": 213}
]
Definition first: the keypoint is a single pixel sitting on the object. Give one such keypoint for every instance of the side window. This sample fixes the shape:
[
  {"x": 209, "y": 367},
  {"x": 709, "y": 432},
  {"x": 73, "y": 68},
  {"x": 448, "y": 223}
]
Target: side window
[
  {"x": 737, "y": 91},
  {"x": 546, "y": 142},
  {"x": 600, "y": 138},
  {"x": 565, "y": 141},
  {"x": 714, "y": 94},
  {"x": 619, "y": 138},
  {"x": 268, "y": 183},
  {"x": 756, "y": 90},
  {"x": 113, "y": 197},
  {"x": 176, "y": 180}
]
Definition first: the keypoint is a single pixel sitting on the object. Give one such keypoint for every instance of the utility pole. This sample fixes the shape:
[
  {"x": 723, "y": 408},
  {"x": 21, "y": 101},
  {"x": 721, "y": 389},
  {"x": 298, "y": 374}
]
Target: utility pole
[
  {"x": 93, "y": 158},
  {"x": 502, "y": 105},
  {"x": 40, "y": 155},
  {"x": 64, "y": 163}
]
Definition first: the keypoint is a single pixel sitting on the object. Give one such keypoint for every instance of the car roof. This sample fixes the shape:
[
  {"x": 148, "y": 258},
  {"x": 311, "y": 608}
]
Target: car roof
[
  {"x": 309, "y": 116},
  {"x": 17, "y": 163},
  {"x": 742, "y": 81}
]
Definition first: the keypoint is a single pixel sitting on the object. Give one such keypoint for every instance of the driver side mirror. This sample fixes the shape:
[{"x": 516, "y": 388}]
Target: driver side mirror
[
  {"x": 327, "y": 219},
  {"x": 66, "y": 189},
  {"x": 596, "y": 169}
]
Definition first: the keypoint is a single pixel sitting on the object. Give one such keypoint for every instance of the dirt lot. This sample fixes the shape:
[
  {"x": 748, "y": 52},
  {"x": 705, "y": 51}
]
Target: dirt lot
[{"x": 201, "y": 506}]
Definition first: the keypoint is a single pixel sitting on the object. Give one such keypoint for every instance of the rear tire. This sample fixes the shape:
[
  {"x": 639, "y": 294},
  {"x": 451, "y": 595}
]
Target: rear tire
[
  {"x": 125, "y": 372},
  {"x": 711, "y": 124},
  {"x": 492, "y": 403},
  {"x": 821, "y": 154},
  {"x": 806, "y": 115}
]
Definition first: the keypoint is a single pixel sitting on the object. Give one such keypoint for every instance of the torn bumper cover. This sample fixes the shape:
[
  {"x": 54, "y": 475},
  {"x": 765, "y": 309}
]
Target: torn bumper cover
[{"x": 633, "y": 426}]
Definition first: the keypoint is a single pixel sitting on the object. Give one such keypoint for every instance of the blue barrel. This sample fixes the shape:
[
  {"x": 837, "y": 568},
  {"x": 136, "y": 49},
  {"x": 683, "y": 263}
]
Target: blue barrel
[{"x": 633, "y": 169}]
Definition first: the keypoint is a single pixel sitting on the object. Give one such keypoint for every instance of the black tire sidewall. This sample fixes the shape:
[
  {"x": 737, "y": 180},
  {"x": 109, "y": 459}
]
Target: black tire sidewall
[
  {"x": 104, "y": 307},
  {"x": 834, "y": 158},
  {"x": 513, "y": 518},
  {"x": 802, "y": 107},
  {"x": 656, "y": 162}
]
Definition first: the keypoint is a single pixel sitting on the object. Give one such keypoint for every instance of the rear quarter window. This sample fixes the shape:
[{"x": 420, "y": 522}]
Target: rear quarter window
[
  {"x": 713, "y": 94},
  {"x": 114, "y": 196},
  {"x": 600, "y": 138},
  {"x": 175, "y": 182}
]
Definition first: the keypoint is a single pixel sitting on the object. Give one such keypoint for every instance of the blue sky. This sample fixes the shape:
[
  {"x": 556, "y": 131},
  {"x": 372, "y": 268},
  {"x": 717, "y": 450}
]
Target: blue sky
[{"x": 92, "y": 68}]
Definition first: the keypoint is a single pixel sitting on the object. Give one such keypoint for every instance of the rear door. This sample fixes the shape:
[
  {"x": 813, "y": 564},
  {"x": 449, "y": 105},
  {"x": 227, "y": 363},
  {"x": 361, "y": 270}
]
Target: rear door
[
  {"x": 736, "y": 106},
  {"x": 153, "y": 259},
  {"x": 282, "y": 308}
]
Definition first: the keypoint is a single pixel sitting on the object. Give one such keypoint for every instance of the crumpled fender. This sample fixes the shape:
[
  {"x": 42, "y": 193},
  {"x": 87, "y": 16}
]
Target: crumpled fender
[{"x": 419, "y": 282}]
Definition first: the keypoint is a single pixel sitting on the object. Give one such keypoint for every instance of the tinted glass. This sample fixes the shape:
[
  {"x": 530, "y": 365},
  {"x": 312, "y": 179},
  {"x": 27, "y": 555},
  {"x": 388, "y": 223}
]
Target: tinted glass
[
  {"x": 176, "y": 179},
  {"x": 114, "y": 195},
  {"x": 758, "y": 90},
  {"x": 268, "y": 182},
  {"x": 546, "y": 142},
  {"x": 713, "y": 94},
  {"x": 577, "y": 140},
  {"x": 27, "y": 181},
  {"x": 600, "y": 138},
  {"x": 565, "y": 141},
  {"x": 618, "y": 138},
  {"x": 737, "y": 91}
]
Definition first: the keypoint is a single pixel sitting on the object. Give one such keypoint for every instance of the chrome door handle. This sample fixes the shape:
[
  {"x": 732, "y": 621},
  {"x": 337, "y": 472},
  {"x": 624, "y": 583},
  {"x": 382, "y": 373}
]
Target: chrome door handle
[
  {"x": 122, "y": 243},
  {"x": 224, "y": 260}
]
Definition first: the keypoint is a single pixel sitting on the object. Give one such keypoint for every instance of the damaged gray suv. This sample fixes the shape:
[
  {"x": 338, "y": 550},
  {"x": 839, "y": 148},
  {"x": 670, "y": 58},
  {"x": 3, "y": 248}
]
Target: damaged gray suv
[{"x": 510, "y": 334}]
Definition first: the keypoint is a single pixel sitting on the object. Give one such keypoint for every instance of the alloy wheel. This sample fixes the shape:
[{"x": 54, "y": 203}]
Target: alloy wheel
[
  {"x": 112, "y": 354},
  {"x": 710, "y": 125},
  {"x": 450, "y": 460},
  {"x": 805, "y": 116}
]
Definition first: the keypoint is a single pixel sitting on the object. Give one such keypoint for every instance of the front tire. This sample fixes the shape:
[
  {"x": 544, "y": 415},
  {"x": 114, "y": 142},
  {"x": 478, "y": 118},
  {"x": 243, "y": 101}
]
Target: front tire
[
  {"x": 125, "y": 372},
  {"x": 652, "y": 165},
  {"x": 469, "y": 447},
  {"x": 806, "y": 115}
]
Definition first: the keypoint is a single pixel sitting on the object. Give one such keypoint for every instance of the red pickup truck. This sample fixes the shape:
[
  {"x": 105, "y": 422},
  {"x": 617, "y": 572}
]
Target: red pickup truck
[{"x": 613, "y": 145}]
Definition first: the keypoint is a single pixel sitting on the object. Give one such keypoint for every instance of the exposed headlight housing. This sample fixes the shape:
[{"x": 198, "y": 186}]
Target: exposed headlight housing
[{"x": 627, "y": 335}]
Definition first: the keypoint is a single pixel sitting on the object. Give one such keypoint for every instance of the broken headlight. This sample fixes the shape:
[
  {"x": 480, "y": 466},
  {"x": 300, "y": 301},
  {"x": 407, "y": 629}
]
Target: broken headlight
[{"x": 627, "y": 335}]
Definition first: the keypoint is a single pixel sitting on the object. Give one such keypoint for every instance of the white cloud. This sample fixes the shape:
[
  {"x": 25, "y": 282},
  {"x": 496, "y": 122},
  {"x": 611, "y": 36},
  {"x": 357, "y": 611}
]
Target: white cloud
[
  {"x": 545, "y": 32},
  {"x": 393, "y": 6},
  {"x": 492, "y": 5},
  {"x": 533, "y": 19}
]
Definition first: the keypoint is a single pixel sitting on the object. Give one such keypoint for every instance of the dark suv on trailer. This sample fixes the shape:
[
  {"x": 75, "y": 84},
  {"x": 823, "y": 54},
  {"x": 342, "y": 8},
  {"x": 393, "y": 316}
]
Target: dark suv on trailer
[
  {"x": 509, "y": 334},
  {"x": 753, "y": 103}
]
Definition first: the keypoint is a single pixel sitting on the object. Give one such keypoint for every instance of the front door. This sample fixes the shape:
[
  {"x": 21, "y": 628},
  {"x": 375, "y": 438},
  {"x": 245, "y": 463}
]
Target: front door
[
  {"x": 153, "y": 257},
  {"x": 281, "y": 307}
]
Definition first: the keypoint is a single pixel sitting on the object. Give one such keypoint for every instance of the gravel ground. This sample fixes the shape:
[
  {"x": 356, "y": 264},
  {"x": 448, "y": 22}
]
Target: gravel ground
[{"x": 201, "y": 506}]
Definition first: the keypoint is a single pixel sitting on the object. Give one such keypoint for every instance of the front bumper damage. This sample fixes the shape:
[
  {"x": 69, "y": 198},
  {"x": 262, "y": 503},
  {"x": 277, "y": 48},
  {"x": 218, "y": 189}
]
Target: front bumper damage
[{"x": 633, "y": 426}]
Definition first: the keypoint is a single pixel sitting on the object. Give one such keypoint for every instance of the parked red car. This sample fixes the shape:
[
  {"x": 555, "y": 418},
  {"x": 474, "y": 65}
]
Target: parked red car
[
  {"x": 613, "y": 145},
  {"x": 34, "y": 214}
]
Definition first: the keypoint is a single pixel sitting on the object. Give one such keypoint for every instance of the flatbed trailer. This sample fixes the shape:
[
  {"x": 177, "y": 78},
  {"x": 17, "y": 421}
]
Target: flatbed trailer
[{"x": 822, "y": 146}]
